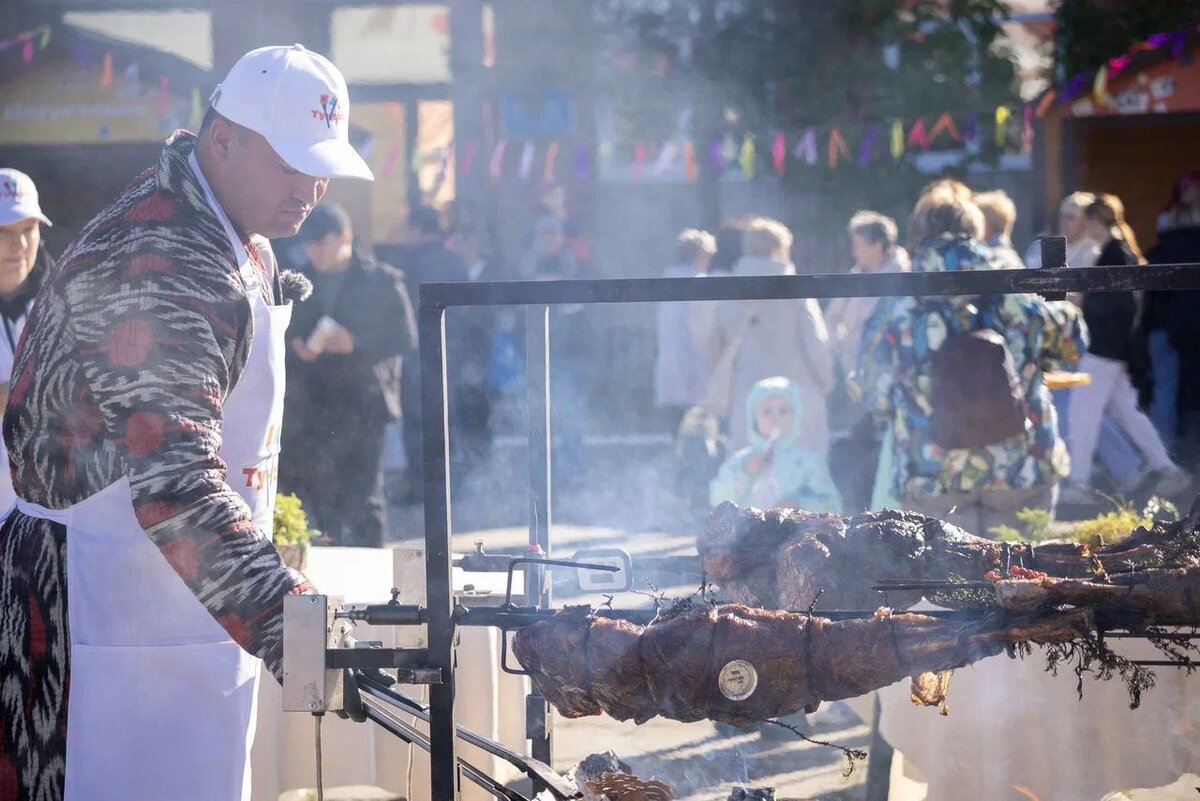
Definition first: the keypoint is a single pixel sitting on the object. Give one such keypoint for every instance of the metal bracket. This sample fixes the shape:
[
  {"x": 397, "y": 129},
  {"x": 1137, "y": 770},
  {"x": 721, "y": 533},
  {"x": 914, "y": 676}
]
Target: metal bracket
[{"x": 310, "y": 627}]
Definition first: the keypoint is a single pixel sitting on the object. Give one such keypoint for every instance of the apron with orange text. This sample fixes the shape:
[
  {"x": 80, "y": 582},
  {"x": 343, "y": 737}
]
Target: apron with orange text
[{"x": 162, "y": 701}]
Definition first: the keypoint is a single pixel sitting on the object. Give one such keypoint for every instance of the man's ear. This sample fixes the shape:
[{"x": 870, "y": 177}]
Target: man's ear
[{"x": 222, "y": 137}]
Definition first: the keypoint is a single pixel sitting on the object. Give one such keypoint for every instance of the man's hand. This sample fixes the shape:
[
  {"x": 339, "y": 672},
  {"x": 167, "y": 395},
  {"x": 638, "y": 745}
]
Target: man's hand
[
  {"x": 302, "y": 351},
  {"x": 339, "y": 341}
]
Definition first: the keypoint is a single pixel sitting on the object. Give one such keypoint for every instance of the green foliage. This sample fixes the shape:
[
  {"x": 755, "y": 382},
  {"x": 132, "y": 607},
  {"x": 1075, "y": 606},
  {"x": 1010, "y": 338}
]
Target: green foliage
[
  {"x": 1099, "y": 530},
  {"x": 291, "y": 523}
]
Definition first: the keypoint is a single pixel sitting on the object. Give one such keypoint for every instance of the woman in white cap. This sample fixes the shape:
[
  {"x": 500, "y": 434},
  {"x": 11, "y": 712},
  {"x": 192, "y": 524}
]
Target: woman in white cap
[
  {"x": 24, "y": 262},
  {"x": 143, "y": 427}
]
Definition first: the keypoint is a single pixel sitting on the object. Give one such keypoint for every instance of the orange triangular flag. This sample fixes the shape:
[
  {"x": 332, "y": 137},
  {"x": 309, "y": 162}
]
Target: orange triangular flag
[
  {"x": 945, "y": 123},
  {"x": 689, "y": 162},
  {"x": 106, "y": 71},
  {"x": 837, "y": 146}
]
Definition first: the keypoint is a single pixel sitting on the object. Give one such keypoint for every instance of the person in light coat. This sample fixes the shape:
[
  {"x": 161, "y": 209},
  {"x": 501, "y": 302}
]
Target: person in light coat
[
  {"x": 764, "y": 338},
  {"x": 680, "y": 373}
]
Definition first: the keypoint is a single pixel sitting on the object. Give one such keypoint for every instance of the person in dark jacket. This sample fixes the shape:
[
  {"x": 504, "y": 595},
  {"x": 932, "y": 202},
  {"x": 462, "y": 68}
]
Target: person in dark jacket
[
  {"x": 345, "y": 353},
  {"x": 1112, "y": 319},
  {"x": 425, "y": 258}
]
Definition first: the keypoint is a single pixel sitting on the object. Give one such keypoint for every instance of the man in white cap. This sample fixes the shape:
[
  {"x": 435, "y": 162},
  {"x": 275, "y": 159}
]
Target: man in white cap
[{"x": 143, "y": 427}]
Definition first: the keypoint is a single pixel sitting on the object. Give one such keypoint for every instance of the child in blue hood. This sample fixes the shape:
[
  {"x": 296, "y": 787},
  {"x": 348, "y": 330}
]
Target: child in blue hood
[{"x": 775, "y": 469}]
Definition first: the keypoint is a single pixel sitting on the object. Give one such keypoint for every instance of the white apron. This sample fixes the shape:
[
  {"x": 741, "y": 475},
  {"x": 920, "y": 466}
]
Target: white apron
[{"x": 162, "y": 701}]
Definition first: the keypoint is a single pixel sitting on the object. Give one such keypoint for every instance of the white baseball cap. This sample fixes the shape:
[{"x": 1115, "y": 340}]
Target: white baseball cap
[
  {"x": 297, "y": 100},
  {"x": 18, "y": 198}
]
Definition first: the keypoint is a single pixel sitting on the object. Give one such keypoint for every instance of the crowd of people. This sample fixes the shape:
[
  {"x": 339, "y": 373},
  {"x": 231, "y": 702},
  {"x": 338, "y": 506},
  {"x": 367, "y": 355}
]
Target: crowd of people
[{"x": 967, "y": 408}]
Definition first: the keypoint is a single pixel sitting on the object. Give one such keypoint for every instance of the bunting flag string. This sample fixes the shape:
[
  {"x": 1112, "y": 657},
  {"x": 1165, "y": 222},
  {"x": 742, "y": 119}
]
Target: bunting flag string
[
  {"x": 582, "y": 162},
  {"x": 690, "y": 169},
  {"x": 665, "y": 160},
  {"x": 1100, "y": 85},
  {"x": 945, "y": 124},
  {"x": 196, "y": 113},
  {"x": 897, "y": 144},
  {"x": 810, "y": 146},
  {"x": 29, "y": 41},
  {"x": 106, "y": 70},
  {"x": 392, "y": 157},
  {"x": 164, "y": 96},
  {"x": 1027, "y": 130},
  {"x": 866, "y": 148},
  {"x": 467, "y": 164},
  {"x": 1002, "y": 116},
  {"x": 716, "y": 157},
  {"x": 779, "y": 152},
  {"x": 917, "y": 136},
  {"x": 750, "y": 154},
  {"x": 837, "y": 147},
  {"x": 1045, "y": 103},
  {"x": 497, "y": 162},
  {"x": 551, "y": 157},
  {"x": 970, "y": 130},
  {"x": 747, "y": 157},
  {"x": 526, "y": 166}
]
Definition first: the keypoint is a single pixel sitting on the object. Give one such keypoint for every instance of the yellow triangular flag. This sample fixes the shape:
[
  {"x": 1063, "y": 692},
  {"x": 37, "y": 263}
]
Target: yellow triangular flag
[
  {"x": 747, "y": 158},
  {"x": 1002, "y": 116},
  {"x": 897, "y": 139}
]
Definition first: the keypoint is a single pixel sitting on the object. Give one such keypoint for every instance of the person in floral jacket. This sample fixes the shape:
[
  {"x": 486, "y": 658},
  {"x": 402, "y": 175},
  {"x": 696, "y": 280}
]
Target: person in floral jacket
[{"x": 979, "y": 488}]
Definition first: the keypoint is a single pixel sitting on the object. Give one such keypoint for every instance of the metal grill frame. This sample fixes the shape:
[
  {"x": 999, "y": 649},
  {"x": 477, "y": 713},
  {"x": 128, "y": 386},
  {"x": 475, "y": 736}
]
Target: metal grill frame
[{"x": 1053, "y": 280}]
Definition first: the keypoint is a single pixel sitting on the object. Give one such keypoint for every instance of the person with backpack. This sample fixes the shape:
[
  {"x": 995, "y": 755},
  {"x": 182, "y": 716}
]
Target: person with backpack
[{"x": 959, "y": 380}]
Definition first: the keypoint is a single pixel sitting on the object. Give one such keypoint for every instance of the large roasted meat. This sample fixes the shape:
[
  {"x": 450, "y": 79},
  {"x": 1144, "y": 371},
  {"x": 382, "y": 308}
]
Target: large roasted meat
[
  {"x": 1133, "y": 600},
  {"x": 738, "y": 664},
  {"x": 788, "y": 559}
]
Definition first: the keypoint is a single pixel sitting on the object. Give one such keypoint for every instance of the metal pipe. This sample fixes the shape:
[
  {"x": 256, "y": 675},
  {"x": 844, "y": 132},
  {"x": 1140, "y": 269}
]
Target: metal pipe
[
  {"x": 537, "y": 383},
  {"x": 657, "y": 290},
  {"x": 439, "y": 591}
]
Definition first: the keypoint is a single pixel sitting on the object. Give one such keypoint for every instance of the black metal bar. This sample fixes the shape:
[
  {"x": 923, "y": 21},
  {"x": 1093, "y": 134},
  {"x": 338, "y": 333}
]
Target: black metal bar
[
  {"x": 439, "y": 593},
  {"x": 539, "y": 564},
  {"x": 537, "y": 589},
  {"x": 408, "y": 734},
  {"x": 530, "y": 767},
  {"x": 656, "y": 290},
  {"x": 364, "y": 658},
  {"x": 537, "y": 371}
]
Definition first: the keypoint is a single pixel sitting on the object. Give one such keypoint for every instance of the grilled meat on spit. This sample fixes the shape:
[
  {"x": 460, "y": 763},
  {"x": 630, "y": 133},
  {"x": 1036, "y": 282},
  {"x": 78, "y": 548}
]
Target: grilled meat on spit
[
  {"x": 1164, "y": 597},
  {"x": 783, "y": 559},
  {"x": 738, "y": 664}
]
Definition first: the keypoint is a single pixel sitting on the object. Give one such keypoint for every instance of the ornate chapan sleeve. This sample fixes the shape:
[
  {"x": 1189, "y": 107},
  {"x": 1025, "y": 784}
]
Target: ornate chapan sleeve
[
  {"x": 1065, "y": 336},
  {"x": 161, "y": 339}
]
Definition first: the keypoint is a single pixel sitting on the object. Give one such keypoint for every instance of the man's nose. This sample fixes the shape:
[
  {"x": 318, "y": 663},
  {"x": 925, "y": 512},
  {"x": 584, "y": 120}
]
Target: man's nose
[{"x": 309, "y": 189}]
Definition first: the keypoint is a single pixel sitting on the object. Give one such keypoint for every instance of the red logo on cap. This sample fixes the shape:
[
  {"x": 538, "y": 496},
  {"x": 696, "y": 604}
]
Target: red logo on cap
[
  {"x": 328, "y": 111},
  {"x": 10, "y": 190}
]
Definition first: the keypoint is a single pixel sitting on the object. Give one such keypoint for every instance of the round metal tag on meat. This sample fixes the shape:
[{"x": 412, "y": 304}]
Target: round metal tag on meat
[{"x": 738, "y": 680}]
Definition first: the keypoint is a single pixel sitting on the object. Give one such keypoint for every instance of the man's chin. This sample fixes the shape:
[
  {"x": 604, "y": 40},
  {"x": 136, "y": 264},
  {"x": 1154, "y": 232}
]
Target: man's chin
[{"x": 285, "y": 225}]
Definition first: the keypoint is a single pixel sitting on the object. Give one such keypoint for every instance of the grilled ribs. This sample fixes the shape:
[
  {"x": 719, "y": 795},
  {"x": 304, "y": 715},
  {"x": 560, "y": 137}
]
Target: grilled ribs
[{"x": 738, "y": 664}]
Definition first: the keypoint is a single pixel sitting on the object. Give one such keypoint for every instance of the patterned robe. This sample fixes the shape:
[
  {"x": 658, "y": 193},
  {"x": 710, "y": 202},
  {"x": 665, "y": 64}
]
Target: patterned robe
[
  {"x": 136, "y": 339},
  {"x": 895, "y": 363}
]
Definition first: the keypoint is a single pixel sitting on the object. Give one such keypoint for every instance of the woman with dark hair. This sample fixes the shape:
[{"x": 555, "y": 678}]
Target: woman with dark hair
[
  {"x": 24, "y": 262},
  {"x": 1113, "y": 318},
  {"x": 344, "y": 358}
]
